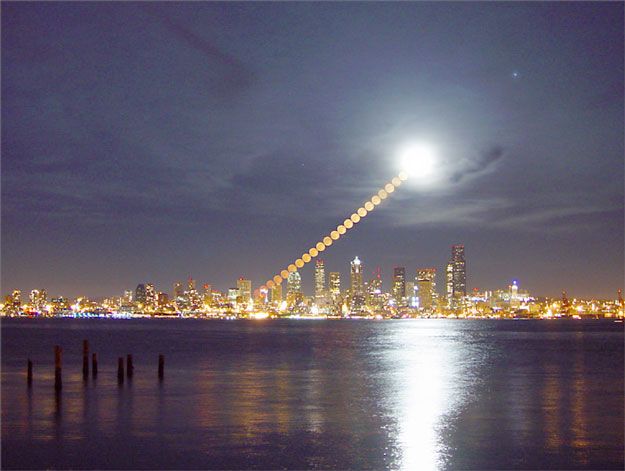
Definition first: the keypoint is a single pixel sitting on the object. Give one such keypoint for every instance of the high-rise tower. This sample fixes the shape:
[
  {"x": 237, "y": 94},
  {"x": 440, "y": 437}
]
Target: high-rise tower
[
  {"x": 456, "y": 275},
  {"x": 245, "y": 290},
  {"x": 294, "y": 293},
  {"x": 320, "y": 283},
  {"x": 357, "y": 286},
  {"x": 140, "y": 294},
  {"x": 399, "y": 285},
  {"x": 426, "y": 287}
]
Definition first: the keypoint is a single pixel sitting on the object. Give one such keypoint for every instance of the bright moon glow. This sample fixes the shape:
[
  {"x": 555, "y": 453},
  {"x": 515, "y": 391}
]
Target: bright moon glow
[{"x": 418, "y": 161}]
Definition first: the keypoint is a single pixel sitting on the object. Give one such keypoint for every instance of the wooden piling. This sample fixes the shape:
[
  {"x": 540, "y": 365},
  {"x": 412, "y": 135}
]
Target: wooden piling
[
  {"x": 29, "y": 373},
  {"x": 58, "y": 381},
  {"x": 94, "y": 365},
  {"x": 85, "y": 360},
  {"x": 129, "y": 367},
  {"x": 120, "y": 370},
  {"x": 161, "y": 367}
]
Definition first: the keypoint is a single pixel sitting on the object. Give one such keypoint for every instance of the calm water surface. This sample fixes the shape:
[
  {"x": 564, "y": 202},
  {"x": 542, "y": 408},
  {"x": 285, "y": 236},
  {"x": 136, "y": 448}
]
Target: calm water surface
[{"x": 422, "y": 394}]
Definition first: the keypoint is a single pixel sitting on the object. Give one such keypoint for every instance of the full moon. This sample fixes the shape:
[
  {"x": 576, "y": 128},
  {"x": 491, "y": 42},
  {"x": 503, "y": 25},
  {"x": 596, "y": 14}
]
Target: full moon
[{"x": 418, "y": 161}]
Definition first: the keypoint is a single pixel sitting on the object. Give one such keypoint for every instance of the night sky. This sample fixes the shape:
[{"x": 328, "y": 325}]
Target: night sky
[{"x": 146, "y": 142}]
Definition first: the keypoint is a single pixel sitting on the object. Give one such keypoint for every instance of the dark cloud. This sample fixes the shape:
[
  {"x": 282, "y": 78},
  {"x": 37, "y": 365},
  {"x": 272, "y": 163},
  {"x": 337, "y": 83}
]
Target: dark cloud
[
  {"x": 482, "y": 163},
  {"x": 234, "y": 73}
]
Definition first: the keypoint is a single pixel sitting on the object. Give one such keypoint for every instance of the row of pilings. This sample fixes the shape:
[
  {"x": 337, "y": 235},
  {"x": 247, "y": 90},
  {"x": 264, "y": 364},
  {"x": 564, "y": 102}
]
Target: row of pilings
[{"x": 58, "y": 367}]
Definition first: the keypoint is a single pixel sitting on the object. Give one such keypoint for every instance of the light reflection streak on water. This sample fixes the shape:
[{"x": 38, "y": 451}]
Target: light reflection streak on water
[
  {"x": 424, "y": 371},
  {"x": 551, "y": 401}
]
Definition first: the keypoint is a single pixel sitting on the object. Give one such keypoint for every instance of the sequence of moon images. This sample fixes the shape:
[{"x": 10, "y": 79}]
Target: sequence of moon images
[
  {"x": 416, "y": 159},
  {"x": 340, "y": 230}
]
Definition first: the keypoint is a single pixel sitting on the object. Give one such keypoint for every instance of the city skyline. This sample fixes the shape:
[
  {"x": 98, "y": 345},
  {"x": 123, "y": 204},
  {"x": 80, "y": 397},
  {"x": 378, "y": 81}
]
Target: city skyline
[
  {"x": 312, "y": 287},
  {"x": 143, "y": 142}
]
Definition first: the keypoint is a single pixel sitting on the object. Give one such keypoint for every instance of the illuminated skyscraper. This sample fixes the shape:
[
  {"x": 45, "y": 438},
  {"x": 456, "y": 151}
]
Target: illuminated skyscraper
[
  {"x": 375, "y": 297},
  {"x": 233, "y": 294},
  {"x": 140, "y": 294},
  {"x": 162, "y": 299},
  {"x": 426, "y": 287},
  {"x": 411, "y": 297},
  {"x": 245, "y": 290},
  {"x": 375, "y": 284},
  {"x": 276, "y": 294},
  {"x": 294, "y": 295},
  {"x": 261, "y": 296},
  {"x": 150, "y": 295},
  {"x": 334, "y": 284},
  {"x": 399, "y": 285},
  {"x": 320, "y": 283},
  {"x": 38, "y": 299},
  {"x": 449, "y": 282},
  {"x": 178, "y": 290},
  {"x": 334, "y": 288},
  {"x": 357, "y": 286},
  {"x": 16, "y": 297},
  {"x": 192, "y": 297},
  {"x": 456, "y": 275},
  {"x": 460, "y": 270},
  {"x": 127, "y": 298},
  {"x": 357, "y": 290},
  {"x": 207, "y": 295}
]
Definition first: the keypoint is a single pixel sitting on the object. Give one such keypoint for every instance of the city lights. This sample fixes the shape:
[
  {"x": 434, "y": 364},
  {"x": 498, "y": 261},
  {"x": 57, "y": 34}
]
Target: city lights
[{"x": 412, "y": 293}]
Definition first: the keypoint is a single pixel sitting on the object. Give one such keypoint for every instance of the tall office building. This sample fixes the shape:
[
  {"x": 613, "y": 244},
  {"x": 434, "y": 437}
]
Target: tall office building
[
  {"x": 245, "y": 290},
  {"x": 127, "y": 297},
  {"x": 410, "y": 293},
  {"x": 456, "y": 275},
  {"x": 357, "y": 286},
  {"x": 375, "y": 284},
  {"x": 178, "y": 290},
  {"x": 449, "y": 282},
  {"x": 334, "y": 283},
  {"x": 162, "y": 299},
  {"x": 207, "y": 294},
  {"x": 16, "y": 297},
  {"x": 399, "y": 285},
  {"x": 294, "y": 295},
  {"x": 193, "y": 298},
  {"x": 320, "y": 283},
  {"x": 140, "y": 294},
  {"x": 375, "y": 297},
  {"x": 426, "y": 287},
  {"x": 334, "y": 287},
  {"x": 38, "y": 299},
  {"x": 276, "y": 294},
  {"x": 150, "y": 295},
  {"x": 233, "y": 294}
]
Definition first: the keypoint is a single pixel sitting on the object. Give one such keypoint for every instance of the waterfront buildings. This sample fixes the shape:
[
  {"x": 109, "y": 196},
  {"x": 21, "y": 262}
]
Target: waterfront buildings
[
  {"x": 357, "y": 288},
  {"x": 426, "y": 287},
  {"x": 320, "y": 284},
  {"x": 39, "y": 299},
  {"x": 294, "y": 294},
  {"x": 140, "y": 294},
  {"x": 244, "y": 287},
  {"x": 276, "y": 295},
  {"x": 359, "y": 299},
  {"x": 399, "y": 285},
  {"x": 355, "y": 277},
  {"x": 456, "y": 276}
]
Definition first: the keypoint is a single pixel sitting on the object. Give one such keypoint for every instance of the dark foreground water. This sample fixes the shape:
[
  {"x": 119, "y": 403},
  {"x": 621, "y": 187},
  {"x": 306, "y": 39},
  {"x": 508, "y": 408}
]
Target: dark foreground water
[{"x": 423, "y": 394}]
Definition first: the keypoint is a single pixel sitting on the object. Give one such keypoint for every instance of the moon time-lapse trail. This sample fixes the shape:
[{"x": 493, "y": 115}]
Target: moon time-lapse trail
[{"x": 417, "y": 161}]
